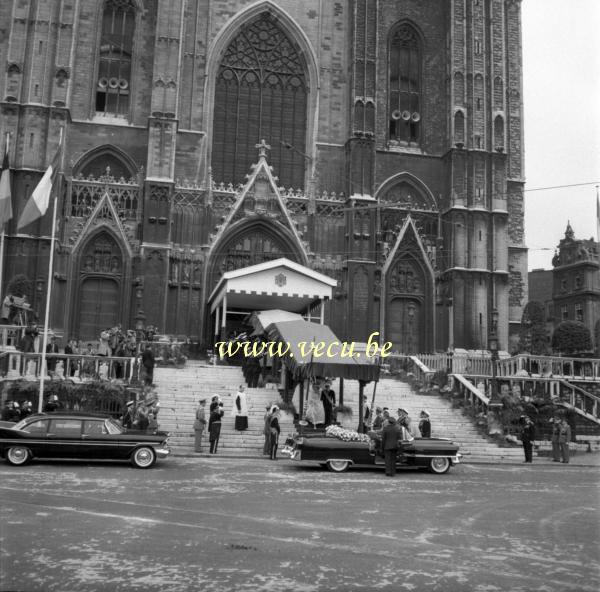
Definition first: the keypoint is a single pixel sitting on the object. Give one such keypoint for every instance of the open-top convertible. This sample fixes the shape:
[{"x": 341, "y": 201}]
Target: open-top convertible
[
  {"x": 79, "y": 436},
  {"x": 435, "y": 454}
]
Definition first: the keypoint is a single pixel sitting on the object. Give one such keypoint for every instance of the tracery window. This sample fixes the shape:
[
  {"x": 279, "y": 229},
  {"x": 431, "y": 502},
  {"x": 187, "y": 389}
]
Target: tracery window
[
  {"x": 102, "y": 255},
  {"x": 261, "y": 93},
  {"x": 405, "y": 86},
  {"x": 114, "y": 57}
]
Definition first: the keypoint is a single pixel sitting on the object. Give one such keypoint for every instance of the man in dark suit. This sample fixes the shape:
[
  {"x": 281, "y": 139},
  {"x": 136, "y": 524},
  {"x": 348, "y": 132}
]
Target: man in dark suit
[
  {"x": 390, "y": 437},
  {"x": 148, "y": 365},
  {"x": 328, "y": 400},
  {"x": 527, "y": 437},
  {"x": 51, "y": 348}
]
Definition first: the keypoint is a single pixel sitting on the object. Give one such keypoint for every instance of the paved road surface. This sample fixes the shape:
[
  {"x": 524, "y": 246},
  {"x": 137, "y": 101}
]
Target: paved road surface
[{"x": 212, "y": 525}]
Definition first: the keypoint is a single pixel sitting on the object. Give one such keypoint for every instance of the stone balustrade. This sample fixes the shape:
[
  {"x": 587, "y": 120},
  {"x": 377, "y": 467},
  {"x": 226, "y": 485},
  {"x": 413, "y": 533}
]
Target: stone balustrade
[{"x": 15, "y": 365}]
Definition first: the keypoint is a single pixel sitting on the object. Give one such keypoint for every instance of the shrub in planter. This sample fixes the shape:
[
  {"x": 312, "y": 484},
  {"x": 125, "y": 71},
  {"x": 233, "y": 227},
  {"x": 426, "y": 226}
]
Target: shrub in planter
[{"x": 97, "y": 397}]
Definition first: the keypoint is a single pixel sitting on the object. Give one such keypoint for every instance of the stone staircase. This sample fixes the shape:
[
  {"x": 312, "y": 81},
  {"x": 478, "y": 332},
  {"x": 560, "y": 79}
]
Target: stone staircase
[
  {"x": 446, "y": 421},
  {"x": 180, "y": 389}
]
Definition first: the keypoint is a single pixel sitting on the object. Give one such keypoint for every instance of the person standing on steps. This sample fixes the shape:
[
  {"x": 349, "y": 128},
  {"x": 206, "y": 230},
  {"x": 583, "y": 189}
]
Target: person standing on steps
[
  {"x": 240, "y": 409},
  {"x": 275, "y": 431},
  {"x": 425, "y": 424},
  {"x": 328, "y": 400},
  {"x": 199, "y": 425},
  {"x": 214, "y": 423},
  {"x": 267, "y": 432}
]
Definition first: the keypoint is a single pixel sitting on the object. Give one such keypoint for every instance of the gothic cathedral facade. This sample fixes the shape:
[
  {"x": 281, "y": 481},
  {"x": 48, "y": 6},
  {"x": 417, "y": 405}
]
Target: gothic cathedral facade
[{"x": 391, "y": 136}]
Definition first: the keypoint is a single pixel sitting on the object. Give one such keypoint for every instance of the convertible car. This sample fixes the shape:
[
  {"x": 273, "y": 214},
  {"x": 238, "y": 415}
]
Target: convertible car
[
  {"x": 79, "y": 436},
  {"x": 435, "y": 454}
]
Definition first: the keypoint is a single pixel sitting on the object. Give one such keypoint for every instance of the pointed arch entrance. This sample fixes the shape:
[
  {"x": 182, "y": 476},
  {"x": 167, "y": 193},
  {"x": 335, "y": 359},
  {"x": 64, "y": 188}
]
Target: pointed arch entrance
[
  {"x": 246, "y": 244},
  {"x": 99, "y": 274},
  {"x": 250, "y": 244},
  {"x": 406, "y": 307},
  {"x": 408, "y": 303}
]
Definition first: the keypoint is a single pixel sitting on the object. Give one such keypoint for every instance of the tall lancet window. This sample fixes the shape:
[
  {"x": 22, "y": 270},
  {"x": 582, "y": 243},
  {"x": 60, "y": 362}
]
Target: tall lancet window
[
  {"x": 261, "y": 93},
  {"x": 405, "y": 86},
  {"x": 114, "y": 58}
]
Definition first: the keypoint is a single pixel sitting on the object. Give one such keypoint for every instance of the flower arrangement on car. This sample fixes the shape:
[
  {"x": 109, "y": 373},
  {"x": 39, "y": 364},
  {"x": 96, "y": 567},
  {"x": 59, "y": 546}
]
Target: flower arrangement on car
[{"x": 345, "y": 435}]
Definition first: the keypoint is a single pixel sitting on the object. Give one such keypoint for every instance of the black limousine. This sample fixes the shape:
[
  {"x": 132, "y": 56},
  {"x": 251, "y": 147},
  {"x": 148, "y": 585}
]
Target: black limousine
[{"x": 79, "y": 436}]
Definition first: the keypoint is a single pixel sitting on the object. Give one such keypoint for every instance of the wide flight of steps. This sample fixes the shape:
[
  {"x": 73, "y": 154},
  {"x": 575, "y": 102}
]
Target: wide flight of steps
[
  {"x": 180, "y": 389},
  {"x": 446, "y": 422}
]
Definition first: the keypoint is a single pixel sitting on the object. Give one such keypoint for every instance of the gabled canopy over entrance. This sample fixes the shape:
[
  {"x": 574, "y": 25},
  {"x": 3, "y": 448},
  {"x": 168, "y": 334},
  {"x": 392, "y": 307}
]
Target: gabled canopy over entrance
[{"x": 279, "y": 284}]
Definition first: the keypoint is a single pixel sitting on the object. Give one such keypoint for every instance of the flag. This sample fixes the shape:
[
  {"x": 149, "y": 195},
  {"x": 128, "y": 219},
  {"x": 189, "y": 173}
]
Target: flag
[
  {"x": 40, "y": 198},
  {"x": 5, "y": 199}
]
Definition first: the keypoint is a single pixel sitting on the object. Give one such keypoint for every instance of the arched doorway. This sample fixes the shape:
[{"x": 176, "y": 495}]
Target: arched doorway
[
  {"x": 253, "y": 244},
  {"x": 100, "y": 282},
  {"x": 405, "y": 326}
]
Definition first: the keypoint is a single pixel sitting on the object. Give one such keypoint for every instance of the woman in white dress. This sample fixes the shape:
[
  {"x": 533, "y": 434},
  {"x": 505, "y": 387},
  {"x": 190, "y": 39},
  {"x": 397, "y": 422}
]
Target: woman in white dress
[
  {"x": 240, "y": 409},
  {"x": 315, "y": 413}
]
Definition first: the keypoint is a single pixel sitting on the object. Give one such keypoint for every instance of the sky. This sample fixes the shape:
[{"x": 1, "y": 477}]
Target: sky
[{"x": 561, "y": 96}]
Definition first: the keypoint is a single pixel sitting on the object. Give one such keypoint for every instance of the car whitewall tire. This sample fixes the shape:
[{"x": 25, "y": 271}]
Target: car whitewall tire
[
  {"x": 18, "y": 455},
  {"x": 143, "y": 457},
  {"x": 439, "y": 465},
  {"x": 338, "y": 466}
]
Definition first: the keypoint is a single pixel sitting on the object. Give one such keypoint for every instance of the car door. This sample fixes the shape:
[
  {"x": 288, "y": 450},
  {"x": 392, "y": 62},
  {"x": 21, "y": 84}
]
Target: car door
[
  {"x": 63, "y": 439},
  {"x": 96, "y": 441},
  {"x": 36, "y": 437}
]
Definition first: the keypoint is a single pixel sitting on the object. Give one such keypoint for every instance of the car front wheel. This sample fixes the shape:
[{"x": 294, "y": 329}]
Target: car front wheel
[
  {"x": 338, "y": 466},
  {"x": 143, "y": 457},
  {"x": 439, "y": 465},
  {"x": 18, "y": 455}
]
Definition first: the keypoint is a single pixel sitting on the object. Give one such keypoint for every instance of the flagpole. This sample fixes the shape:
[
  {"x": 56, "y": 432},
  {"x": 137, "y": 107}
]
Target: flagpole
[
  {"x": 597, "y": 215},
  {"x": 2, "y": 236},
  {"x": 49, "y": 291}
]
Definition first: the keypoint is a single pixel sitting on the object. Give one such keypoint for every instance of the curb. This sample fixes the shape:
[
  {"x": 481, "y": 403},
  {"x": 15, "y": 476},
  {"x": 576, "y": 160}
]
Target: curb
[{"x": 463, "y": 462}]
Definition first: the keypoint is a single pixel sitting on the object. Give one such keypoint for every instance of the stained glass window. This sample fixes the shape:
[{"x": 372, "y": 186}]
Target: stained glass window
[{"x": 261, "y": 93}]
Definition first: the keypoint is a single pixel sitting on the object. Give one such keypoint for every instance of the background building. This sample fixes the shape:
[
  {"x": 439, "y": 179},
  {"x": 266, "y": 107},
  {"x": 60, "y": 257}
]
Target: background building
[{"x": 395, "y": 139}]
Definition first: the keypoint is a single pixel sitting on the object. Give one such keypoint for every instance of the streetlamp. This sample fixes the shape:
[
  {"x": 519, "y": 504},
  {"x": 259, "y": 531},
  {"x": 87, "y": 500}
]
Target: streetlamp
[{"x": 493, "y": 347}]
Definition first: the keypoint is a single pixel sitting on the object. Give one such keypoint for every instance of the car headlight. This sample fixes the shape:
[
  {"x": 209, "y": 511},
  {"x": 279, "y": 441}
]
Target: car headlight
[{"x": 299, "y": 441}]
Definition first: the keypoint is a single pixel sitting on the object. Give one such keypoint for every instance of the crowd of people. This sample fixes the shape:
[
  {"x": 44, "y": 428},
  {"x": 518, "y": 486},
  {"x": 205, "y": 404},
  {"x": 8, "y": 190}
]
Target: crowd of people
[{"x": 113, "y": 342}]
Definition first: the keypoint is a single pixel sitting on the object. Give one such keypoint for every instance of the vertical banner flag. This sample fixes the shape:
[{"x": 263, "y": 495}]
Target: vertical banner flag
[
  {"x": 5, "y": 200},
  {"x": 40, "y": 198}
]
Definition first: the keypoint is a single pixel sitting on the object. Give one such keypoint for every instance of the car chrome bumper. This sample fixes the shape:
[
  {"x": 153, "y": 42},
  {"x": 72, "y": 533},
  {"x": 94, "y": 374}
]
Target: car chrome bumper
[
  {"x": 296, "y": 455},
  {"x": 456, "y": 459},
  {"x": 162, "y": 452}
]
